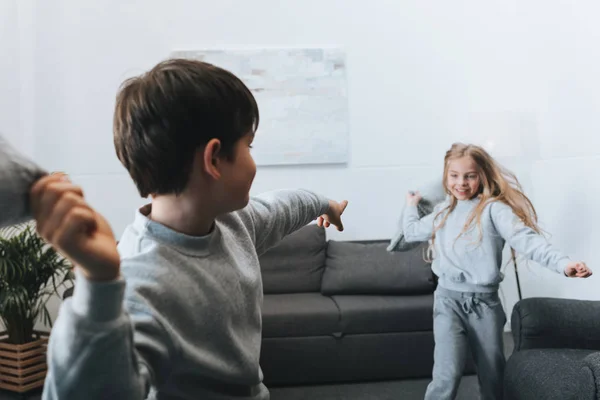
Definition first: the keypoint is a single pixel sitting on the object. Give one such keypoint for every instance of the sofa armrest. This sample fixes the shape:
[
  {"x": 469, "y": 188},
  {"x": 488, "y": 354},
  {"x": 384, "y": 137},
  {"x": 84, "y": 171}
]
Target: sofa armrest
[
  {"x": 556, "y": 323},
  {"x": 592, "y": 364}
]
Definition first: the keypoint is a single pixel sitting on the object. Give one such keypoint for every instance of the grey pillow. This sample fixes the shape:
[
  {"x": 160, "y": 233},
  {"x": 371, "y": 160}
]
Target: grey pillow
[
  {"x": 296, "y": 264},
  {"x": 367, "y": 268},
  {"x": 432, "y": 194},
  {"x": 17, "y": 175}
]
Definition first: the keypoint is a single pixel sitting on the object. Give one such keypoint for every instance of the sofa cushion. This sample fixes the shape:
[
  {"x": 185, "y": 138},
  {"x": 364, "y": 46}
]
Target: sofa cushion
[
  {"x": 548, "y": 374},
  {"x": 299, "y": 315},
  {"x": 296, "y": 264},
  {"x": 368, "y": 268},
  {"x": 382, "y": 314}
]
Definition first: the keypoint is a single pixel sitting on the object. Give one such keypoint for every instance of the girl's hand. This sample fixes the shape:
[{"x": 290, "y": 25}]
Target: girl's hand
[
  {"x": 577, "y": 269},
  {"x": 413, "y": 198}
]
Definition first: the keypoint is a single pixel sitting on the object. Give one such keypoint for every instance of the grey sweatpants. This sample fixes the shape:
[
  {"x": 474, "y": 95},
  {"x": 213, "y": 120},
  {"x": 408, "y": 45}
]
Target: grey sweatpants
[{"x": 461, "y": 321}]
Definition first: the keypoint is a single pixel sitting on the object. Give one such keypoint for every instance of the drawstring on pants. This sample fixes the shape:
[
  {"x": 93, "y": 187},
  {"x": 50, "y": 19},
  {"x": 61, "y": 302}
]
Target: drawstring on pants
[{"x": 470, "y": 305}]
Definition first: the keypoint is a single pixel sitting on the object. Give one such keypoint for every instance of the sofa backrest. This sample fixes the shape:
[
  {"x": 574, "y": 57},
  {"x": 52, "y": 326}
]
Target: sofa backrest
[
  {"x": 355, "y": 268},
  {"x": 305, "y": 262},
  {"x": 296, "y": 264}
]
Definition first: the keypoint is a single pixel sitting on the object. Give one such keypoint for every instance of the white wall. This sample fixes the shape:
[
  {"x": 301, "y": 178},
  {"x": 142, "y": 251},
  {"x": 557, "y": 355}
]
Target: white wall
[
  {"x": 16, "y": 73},
  {"x": 420, "y": 76},
  {"x": 9, "y": 70}
]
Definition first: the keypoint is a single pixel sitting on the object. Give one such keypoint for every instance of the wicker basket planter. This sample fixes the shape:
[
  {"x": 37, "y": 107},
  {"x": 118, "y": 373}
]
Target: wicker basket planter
[{"x": 23, "y": 367}]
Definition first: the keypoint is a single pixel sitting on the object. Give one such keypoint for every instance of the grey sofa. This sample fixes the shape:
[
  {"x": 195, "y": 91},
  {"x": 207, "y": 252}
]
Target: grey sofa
[
  {"x": 557, "y": 350},
  {"x": 345, "y": 311}
]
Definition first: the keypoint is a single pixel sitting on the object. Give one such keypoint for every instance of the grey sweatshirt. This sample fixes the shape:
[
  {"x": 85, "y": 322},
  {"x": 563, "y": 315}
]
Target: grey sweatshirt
[
  {"x": 184, "y": 321},
  {"x": 467, "y": 264}
]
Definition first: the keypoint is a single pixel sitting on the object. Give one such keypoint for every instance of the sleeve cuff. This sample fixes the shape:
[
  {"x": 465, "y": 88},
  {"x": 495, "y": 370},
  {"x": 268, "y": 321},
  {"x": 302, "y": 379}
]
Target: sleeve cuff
[
  {"x": 98, "y": 301},
  {"x": 411, "y": 210},
  {"x": 562, "y": 264},
  {"x": 324, "y": 201}
]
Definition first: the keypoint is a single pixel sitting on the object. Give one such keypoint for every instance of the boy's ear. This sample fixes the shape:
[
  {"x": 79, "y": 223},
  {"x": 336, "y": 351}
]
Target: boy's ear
[{"x": 211, "y": 158}]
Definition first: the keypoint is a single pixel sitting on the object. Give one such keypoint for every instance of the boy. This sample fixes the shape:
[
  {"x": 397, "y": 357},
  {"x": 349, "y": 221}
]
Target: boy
[{"x": 175, "y": 313}]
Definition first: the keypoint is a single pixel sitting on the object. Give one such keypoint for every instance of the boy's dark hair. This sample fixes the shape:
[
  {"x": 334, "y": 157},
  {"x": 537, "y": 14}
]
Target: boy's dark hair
[{"x": 164, "y": 115}]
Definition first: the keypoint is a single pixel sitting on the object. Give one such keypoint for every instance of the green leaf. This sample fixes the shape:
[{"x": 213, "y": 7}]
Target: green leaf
[{"x": 31, "y": 272}]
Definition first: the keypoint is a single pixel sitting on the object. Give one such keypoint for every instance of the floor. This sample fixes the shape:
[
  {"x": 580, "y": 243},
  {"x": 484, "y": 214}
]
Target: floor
[
  {"x": 411, "y": 389},
  {"x": 394, "y": 390}
]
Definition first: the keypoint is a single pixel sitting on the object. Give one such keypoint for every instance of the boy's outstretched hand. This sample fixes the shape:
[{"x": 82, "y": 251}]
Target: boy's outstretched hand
[
  {"x": 69, "y": 224},
  {"x": 577, "y": 269},
  {"x": 333, "y": 215}
]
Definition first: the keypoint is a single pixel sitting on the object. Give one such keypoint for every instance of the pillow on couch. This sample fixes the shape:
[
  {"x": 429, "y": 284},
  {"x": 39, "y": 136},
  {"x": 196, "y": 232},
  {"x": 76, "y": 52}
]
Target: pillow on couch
[
  {"x": 432, "y": 194},
  {"x": 17, "y": 176},
  {"x": 296, "y": 264},
  {"x": 368, "y": 268}
]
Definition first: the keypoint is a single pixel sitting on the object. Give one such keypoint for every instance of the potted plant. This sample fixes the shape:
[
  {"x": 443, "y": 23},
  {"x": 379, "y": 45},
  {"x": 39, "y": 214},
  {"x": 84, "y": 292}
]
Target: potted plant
[{"x": 31, "y": 272}]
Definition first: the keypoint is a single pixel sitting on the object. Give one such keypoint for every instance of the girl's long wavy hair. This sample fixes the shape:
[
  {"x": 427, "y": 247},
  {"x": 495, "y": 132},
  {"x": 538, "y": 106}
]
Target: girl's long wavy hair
[{"x": 496, "y": 184}]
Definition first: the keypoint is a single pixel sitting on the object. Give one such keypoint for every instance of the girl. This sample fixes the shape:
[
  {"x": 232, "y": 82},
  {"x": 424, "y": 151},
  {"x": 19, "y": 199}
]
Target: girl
[{"x": 485, "y": 208}]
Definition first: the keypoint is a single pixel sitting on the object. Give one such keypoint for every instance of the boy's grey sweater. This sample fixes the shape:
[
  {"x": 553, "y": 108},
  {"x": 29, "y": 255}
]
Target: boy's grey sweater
[
  {"x": 184, "y": 322},
  {"x": 461, "y": 261}
]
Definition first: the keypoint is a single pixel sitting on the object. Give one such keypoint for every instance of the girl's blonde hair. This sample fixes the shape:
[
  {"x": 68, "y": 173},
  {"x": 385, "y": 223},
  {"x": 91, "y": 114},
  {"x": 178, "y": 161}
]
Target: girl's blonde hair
[{"x": 496, "y": 184}]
